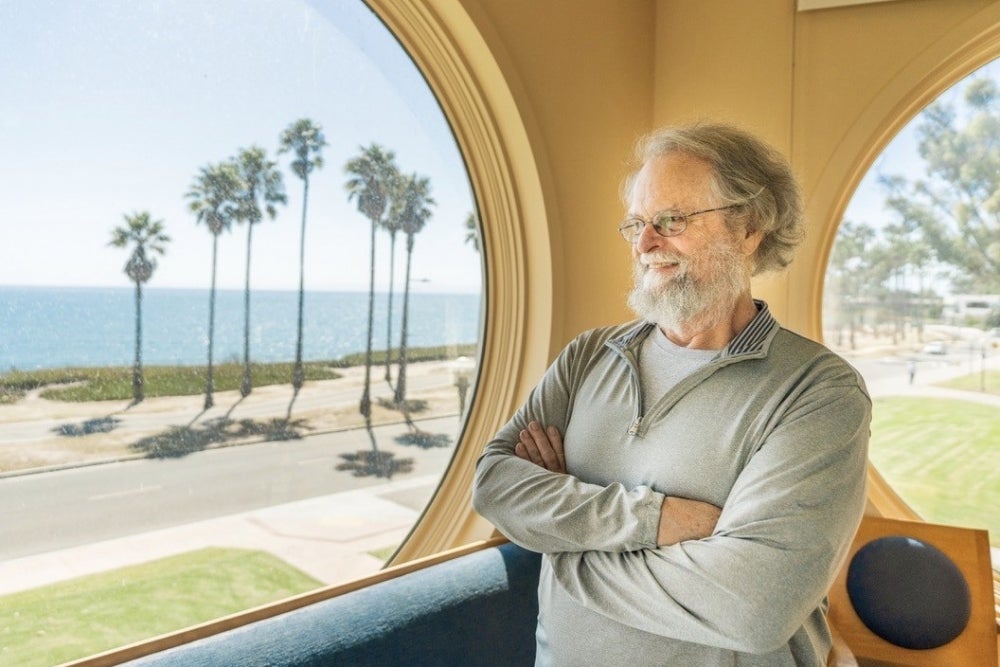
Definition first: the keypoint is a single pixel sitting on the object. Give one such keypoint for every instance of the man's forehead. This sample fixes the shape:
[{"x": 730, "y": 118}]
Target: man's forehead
[{"x": 672, "y": 180}]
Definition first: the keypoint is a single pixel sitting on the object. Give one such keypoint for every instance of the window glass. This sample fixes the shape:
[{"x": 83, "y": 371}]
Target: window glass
[
  {"x": 241, "y": 303},
  {"x": 913, "y": 300}
]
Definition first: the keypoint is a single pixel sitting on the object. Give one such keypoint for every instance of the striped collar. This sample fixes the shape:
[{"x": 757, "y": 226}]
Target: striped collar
[
  {"x": 752, "y": 341},
  {"x": 755, "y": 336}
]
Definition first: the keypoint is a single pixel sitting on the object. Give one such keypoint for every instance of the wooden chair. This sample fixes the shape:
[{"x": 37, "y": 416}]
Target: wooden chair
[{"x": 974, "y": 643}]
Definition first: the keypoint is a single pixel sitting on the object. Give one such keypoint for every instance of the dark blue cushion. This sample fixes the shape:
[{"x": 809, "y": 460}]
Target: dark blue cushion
[
  {"x": 908, "y": 592},
  {"x": 479, "y": 609}
]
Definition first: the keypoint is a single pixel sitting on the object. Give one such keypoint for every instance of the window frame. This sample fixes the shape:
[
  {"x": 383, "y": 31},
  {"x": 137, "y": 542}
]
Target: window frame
[
  {"x": 970, "y": 45},
  {"x": 472, "y": 88}
]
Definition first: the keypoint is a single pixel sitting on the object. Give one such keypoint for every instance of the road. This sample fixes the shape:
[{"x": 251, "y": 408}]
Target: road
[
  {"x": 66, "y": 508},
  {"x": 888, "y": 374}
]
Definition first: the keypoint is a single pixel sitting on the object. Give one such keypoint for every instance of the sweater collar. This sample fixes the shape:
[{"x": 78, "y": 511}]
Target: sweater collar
[{"x": 752, "y": 341}]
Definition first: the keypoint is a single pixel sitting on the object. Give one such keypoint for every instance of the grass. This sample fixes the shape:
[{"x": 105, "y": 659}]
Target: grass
[
  {"x": 384, "y": 554},
  {"x": 988, "y": 382},
  {"x": 439, "y": 353},
  {"x": 80, "y": 617},
  {"x": 115, "y": 383},
  {"x": 942, "y": 457}
]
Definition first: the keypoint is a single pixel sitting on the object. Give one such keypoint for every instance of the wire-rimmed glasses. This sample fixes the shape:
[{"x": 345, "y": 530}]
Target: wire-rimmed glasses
[{"x": 665, "y": 223}]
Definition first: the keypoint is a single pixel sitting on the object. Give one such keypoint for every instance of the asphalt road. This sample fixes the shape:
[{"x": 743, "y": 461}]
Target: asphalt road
[{"x": 66, "y": 508}]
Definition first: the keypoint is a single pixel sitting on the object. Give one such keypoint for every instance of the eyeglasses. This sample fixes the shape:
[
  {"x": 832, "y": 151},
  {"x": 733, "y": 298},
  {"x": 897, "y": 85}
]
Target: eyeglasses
[{"x": 665, "y": 223}]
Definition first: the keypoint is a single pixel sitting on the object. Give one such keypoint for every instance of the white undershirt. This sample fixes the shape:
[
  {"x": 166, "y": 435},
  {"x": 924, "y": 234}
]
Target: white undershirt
[{"x": 662, "y": 364}]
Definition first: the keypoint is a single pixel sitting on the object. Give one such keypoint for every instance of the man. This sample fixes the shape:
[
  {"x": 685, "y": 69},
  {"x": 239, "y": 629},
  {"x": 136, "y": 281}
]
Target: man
[{"x": 693, "y": 479}]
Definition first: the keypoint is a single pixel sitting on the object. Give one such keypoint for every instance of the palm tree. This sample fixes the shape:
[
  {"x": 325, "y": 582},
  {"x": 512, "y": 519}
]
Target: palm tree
[
  {"x": 472, "y": 231},
  {"x": 261, "y": 188},
  {"x": 370, "y": 174},
  {"x": 213, "y": 201},
  {"x": 416, "y": 210},
  {"x": 306, "y": 140},
  {"x": 391, "y": 224},
  {"x": 147, "y": 238}
]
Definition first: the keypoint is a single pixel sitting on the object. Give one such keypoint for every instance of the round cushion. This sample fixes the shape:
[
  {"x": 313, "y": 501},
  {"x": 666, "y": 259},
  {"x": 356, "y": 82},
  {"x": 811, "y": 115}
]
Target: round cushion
[{"x": 908, "y": 592}]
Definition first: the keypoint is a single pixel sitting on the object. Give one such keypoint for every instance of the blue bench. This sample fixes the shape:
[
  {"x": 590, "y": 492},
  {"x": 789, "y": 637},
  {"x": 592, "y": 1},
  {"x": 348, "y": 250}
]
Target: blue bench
[{"x": 476, "y": 609}]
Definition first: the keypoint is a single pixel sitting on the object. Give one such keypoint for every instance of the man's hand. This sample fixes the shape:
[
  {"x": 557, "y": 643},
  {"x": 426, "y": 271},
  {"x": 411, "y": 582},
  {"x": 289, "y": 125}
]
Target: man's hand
[
  {"x": 684, "y": 519},
  {"x": 542, "y": 446}
]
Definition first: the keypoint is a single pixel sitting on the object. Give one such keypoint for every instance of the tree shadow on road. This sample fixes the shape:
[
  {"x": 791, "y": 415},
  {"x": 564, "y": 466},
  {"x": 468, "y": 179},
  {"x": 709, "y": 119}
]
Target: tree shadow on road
[
  {"x": 366, "y": 463},
  {"x": 178, "y": 441},
  {"x": 424, "y": 439},
  {"x": 276, "y": 428},
  {"x": 416, "y": 436},
  {"x": 87, "y": 427}
]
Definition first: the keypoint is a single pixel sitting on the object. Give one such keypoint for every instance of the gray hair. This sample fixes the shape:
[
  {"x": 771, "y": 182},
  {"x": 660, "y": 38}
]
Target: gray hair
[{"x": 747, "y": 172}]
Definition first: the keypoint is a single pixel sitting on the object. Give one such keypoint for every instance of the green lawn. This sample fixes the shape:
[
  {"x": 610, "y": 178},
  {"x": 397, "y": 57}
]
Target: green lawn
[
  {"x": 988, "y": 382},
  {"x": 80, "y": 617},
  {"x": 942, "y": 457},
  {"x": 115, "y": 383}
]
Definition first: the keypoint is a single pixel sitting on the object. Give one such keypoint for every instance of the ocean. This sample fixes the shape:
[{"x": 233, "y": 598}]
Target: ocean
[{"x": 55, "y": 327}]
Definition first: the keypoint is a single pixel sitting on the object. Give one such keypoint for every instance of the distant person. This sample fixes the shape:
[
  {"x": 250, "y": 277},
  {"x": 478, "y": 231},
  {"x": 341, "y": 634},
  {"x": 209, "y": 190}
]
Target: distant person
[
  {"x": 693, "y": 478},
  {"x": 911, "y": 369}
]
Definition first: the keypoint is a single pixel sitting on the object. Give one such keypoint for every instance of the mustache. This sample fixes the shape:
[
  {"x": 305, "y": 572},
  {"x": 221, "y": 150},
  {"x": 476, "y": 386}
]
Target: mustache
[{"x": 661, "y": 257}]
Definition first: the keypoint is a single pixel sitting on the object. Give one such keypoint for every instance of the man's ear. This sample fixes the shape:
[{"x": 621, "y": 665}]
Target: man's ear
[{"x": 751, "y": 241}]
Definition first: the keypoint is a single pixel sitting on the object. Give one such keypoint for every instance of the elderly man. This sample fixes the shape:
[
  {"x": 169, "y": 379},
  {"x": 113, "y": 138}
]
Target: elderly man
[{"x": 693, "y": 478}]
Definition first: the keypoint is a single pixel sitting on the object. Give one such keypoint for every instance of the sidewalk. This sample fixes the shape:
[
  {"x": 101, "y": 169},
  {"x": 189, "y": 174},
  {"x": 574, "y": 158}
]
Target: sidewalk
[{"x": 329, "y": 537}]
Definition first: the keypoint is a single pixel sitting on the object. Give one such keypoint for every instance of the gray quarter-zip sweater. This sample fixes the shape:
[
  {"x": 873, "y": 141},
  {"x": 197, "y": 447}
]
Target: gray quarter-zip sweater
[{"x": 774, "y": 430}]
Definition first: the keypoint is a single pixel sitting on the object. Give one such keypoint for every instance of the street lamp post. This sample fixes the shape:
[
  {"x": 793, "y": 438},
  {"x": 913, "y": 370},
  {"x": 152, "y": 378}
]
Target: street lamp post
[{"x": 462, "y": 369}]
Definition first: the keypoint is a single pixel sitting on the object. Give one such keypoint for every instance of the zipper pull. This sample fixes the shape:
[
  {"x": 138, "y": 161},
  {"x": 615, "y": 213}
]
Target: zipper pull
[{"x": 634, "y": 428}]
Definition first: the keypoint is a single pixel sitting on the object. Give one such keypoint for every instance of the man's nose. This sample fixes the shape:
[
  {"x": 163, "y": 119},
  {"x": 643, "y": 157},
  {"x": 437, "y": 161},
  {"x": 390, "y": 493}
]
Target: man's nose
[{"x": 648, "y": 239}]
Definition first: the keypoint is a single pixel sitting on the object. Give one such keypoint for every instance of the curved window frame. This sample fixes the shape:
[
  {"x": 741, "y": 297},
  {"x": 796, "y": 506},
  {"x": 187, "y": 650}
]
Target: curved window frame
[
  {"x": 965, "y": 49},
  {"x": 472, "y": 89}
]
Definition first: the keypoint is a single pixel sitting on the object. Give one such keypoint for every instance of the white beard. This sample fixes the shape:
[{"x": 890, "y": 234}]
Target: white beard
[{"x": 684, "y": 303}]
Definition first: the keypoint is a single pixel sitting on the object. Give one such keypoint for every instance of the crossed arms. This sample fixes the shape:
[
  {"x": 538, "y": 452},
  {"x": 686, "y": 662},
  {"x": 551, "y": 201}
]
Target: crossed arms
[{"x": 680, "y": 518}]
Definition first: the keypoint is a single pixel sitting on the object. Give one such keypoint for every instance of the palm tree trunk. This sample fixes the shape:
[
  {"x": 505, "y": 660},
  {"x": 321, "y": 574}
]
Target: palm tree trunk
[
  {"x": 400, "y": 395},
  {"x": 366, "y": 401},
  {"x": 388, "y": 319},
  {"x": 246, "y": 385},
  {"x": 209, "y": 377},
  {"x": 138, "y": 392},
  {"x": 298, "y": 377}
]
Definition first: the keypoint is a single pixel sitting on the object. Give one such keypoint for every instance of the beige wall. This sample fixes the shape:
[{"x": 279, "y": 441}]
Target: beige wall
[
  {"x": 826, "y": 86},
  {"x": 582, "y": 77}
]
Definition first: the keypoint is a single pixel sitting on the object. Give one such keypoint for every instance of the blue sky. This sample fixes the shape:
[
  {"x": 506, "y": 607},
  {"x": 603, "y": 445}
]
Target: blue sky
[
  {"x": 900, "y": 157},
  {"x": 112, "y": 106}
]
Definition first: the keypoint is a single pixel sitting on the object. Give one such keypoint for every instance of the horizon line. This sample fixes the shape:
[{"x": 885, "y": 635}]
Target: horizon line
[{"x": 360, "y": 290}]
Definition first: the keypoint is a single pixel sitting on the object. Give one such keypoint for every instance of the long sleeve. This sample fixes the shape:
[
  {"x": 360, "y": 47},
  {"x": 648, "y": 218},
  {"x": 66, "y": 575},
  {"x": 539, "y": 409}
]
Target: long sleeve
[
  {"x": 784, "y": 529},
  {"x": 552, "y": 512}
]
